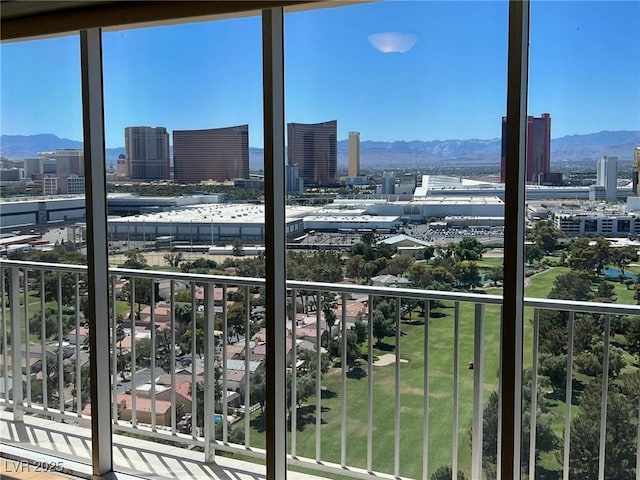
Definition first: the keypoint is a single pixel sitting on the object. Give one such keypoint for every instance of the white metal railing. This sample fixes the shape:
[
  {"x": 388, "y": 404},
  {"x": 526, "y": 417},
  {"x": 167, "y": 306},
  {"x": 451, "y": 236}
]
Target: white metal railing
[{"x": 19, "y": 278}]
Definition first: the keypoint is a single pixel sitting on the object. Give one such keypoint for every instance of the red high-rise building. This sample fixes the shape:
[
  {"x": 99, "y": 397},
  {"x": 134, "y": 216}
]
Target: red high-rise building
[{"x": 538, "y": 142}]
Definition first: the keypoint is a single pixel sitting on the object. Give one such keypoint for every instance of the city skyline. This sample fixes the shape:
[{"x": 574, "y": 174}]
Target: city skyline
[{"x": 579, "y": 51}]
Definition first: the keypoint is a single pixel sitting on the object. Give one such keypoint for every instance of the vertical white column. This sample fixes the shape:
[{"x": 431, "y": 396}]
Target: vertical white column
[
  {"x": 604, "y": 397},
  {"x": 97, "y": 255},
  {"x": 209, "y": 375},
  {"x": 533, "y": 410},
  {"x": 456, "y": 390},
  {"x": 275, "y": 236},
  {"x": 568, "y": 397},
  {"x": 478, "y": 391},
  {"x": 16, "y": 344}
]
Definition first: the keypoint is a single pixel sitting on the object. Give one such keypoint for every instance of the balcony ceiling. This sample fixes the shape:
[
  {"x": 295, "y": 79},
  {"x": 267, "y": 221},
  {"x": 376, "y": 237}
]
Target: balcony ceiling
[{"x": 25, "y": 18}]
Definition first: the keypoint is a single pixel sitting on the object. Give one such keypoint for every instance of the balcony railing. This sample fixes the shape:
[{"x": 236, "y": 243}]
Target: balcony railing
[{"x": 346, "y": 429}]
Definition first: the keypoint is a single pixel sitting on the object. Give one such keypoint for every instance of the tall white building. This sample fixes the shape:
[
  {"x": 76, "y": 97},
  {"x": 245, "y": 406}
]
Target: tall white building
[
  {"x": 147, "y": 152},
  {"x": 607, "y": 176},
  {"x": 354, "y": 154}
]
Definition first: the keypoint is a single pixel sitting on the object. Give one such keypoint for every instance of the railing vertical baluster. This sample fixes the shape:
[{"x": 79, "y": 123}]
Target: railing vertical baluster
[
  {"x": 534, "y": 396},
  {"x": 318, "y": 379},
  {"x": 294, "y": 375},
  {"x": 43, "y": 344},
  {"x": 396, "y": 447},
  {"x": 604, "y": 397},
  {"x": 16, "y": 342},
  {"x": 60, "y": 352},
  {"x": 27, "y": 334},
  {"x": 209, "y": 375},
  {"x": 152, "y": 353},
  {"x": 425, "y": 393},
  {"x": 478, "y": 381},
  {"x": 114, "y": 351},
  {"x": 225, "y": 341},
  {"x": 132, "y": 384},
  {"x": 172, "y": 368},
  {"x": 194, "y": 384},
  {"x": 3, "y": 316},
  {"x": 343, "y": 436},
  {"x": 456, "y": 390},
  {"x": 568, "y": 397},
  {"x": 370, "y": 387},
  {"x": 78, "y": 369},
  {"x": 247, "y": 369}
]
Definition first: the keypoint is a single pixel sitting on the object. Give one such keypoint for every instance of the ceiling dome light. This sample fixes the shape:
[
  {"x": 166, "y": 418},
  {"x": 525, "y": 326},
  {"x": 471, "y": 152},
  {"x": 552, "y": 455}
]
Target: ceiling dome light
[{"x": 393, "y": 42}]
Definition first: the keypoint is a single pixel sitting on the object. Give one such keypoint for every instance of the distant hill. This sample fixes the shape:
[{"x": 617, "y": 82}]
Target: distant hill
[
  {"x": 374, "y": 154},
  {"x": 19, "y": 147}
]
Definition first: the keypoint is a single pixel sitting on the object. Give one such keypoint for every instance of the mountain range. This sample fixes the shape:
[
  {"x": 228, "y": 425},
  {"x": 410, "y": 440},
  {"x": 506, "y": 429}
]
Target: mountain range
[{"x": 375, "y": 154}]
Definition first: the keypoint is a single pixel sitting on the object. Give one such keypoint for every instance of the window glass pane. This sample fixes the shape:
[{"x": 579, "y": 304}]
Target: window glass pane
[
  {"x": 42, "y": 214},
  {"x": 183, "y": 108},
  {"x": 582, "y": 229},
  {"x": 393, "y": 115}
]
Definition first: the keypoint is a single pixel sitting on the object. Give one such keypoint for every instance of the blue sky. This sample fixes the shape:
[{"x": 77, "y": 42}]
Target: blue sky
[{"x": 584, "y": 70}]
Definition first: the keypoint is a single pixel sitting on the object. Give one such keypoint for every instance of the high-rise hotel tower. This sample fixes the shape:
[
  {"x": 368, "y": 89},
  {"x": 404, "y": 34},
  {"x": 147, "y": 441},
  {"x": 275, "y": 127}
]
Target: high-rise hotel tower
[
  {"x": 147, "y": 153},
  {"x": 635, "y": 170},
  {"x": 538, "y": 154},
  {"x": 216, "y": 154},
  {"x": 314, "y": 148},
  {"x": 354, "y": 154}
]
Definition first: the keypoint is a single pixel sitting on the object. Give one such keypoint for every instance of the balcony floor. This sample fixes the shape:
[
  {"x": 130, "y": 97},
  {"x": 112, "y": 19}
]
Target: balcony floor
[{"x": 40, "y": 440}]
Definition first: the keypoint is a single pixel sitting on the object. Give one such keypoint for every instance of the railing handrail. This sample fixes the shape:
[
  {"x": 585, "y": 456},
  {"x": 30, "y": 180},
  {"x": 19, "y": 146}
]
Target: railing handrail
[{"x": 363, "y": 290}]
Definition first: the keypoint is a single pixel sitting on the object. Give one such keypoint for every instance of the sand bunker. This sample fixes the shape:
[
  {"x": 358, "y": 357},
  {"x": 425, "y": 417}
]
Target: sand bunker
[{"x": 387, "y": 359}]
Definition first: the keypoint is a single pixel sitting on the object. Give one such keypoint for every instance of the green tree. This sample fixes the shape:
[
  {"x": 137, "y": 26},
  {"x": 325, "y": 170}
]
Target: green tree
[
  {"x": 360, "y": 329},
  {"x": 185, "y": 341},
  {"x": 445, "y": 473},
  {"x": 143, "y": 288},
  {"x": 143, "y": 351},
  {"x": 368, "y": 238},
  {"x": 136, "y": 260},
  {"x": 533, "y": 253},
  {"x": 620, "y": 439},
  {"x": 354, "y": 267},
  {"x": 575, "y": 285},
  {"x": 602, "y": 253},
  {"x": 258, "y": 392},
  {"x": 51, "y": 324},
  {"x": 428, "y": 252},
  {"x": 496, "y": 274},
  {"x": 633, "y": 337},
  {"x": 606, "y": 292},
  {"x": 382, "y": 326},
  {"x": 399, "y": 264},
  {"x": 546, "y": 235},
  {"x": 352, "y": 349},
  {"x": 467, "y": 273},
  {"x": 469, "y": 248},
  {"x": 546, "y": 439},
  {"x": 623, "y": 256},
  {"x": 554, "y": 367},
  {"x": 238, "y": 247},
  {"x": 173, "y": 259}
]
